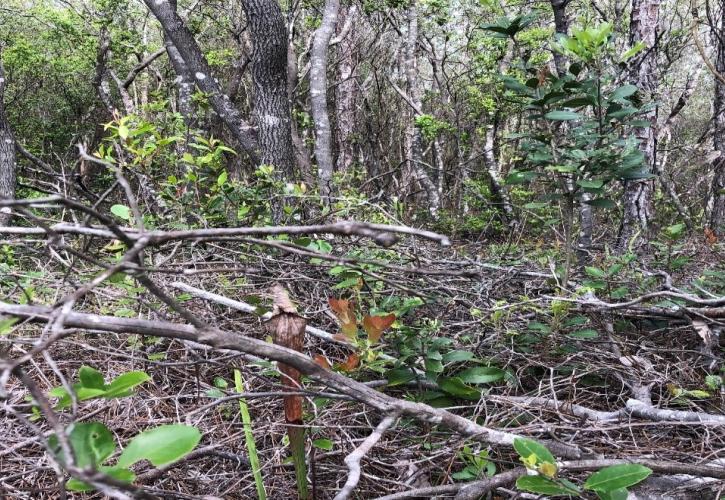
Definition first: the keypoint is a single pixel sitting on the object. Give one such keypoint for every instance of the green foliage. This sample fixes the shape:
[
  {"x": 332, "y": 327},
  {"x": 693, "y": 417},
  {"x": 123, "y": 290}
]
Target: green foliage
[
  {"x": 608, "y": 483},
  {"x": 93, "y": 444},
  {"x": 249, "y": 441},
  {"x": 476, "y": 465},
  {"x": 91, "y": 385}
]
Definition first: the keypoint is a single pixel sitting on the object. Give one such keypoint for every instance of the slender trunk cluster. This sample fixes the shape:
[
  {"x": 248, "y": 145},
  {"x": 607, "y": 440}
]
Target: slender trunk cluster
[
  {"x": 318, "y": 97},
  {"x": 717, "y": 212},
  {"x": 637, "y": 198},
  {"x": 7, "y": 154},
  {"x": 414, "y": 144},
  {"x": 346, "y": 89}
]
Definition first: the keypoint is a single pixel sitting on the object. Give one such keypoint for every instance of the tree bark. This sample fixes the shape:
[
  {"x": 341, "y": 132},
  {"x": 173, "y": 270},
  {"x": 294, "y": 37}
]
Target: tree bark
[
  {"x": 269, "y": 74},
  {"x": 318, "y": 96},
  {"x": 176, "y": 31},
  {"x": 346, "y": 91},
  {"x": 637, "y": 198},
  {"x": 413, "y": 135},
  {"x": 7, "y": 154},
  {"x": 717, "y": 190}
]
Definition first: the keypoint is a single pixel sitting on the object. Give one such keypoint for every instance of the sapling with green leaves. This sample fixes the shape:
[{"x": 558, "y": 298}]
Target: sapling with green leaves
[{"x": 578, "y": 162}]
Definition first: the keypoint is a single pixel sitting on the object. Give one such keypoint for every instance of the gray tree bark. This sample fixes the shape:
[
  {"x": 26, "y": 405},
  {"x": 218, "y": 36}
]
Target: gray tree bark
[
  {"x": 346, "y": 90},
  {"x": 637, "y": 198},
  {"x": 176, "y": 31},
  {"x": 7, "y": 154},
  {"x": 413, "y": 135},
  {"x": 717, "y": 190},
  {"x": 269, "y": 74},
  {"x": 318, "y": 97}
]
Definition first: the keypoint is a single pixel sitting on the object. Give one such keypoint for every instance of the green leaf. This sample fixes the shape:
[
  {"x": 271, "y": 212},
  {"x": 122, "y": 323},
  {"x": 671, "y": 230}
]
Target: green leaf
[
  {"x": 587, "y": 333},
  {"x": 323, "y": 444},
  {"x": 633, "y": 51},
  {"x": 121, "y": 385},
  {"x": 543, "y": 486},
  {"x": 616, "y": 477},
  {"x": 527, "y": 447},
  {"x": 481, "y": 375},
  {"x": 92, "y": 443},
  {"x": 561, "y": 115},
  {"x": 91, "y": 378},
  {"x": 222, "y": 179},
  {"x": 124, "y": 475},
  {"x": 6, "y": 324},
  {"x": 123, "y": 132},
  {"x": 398, "y": 376},
  {"x": 456, "y": 387},
  {"x": 595, "y": 272},
  {"x": 121, "y": 211},
  {"x": 602, "y": 203},
  {"x": 161, "y": 445},
  {"x": 591, "y": 184},
  {"x": 620, "y": 494},
  {"x": 458, "y": 356},
  {"x": 623, "y": 91}
]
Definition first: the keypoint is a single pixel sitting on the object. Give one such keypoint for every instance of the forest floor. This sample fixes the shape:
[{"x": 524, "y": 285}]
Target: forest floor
[{"x": 545, "y": 354}]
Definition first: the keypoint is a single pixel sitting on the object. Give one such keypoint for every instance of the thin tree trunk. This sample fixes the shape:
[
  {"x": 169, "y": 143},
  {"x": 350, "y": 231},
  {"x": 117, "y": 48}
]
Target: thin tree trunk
[
  {"x": 717, "y": 190},
  {"x": 303, "y": 155},
  {"x": 177, "y": 32},
  {"x": 498, "y": 193},
  {"x": 346, "y": 91},
  {"x": 413, "y": 136},
  {"x": 269, "y": 74},
  {"x": 637, "y": 198},
  {"x": 318, "y": 96},
  {"x": 7, "y": 155}
]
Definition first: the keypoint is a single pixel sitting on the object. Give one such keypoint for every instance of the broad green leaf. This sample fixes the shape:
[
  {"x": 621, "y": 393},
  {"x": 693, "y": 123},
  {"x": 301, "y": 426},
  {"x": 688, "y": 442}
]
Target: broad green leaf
[
  {"x": 591, "y": 183},
  {"x": 617, "y": 477},
  {"x": 481, "y": 375},
  {"x": 123, "y": 132},
  {"x": 92, "y": 443},
  {"x": 587, "y": 333},
  {"x": 323, "y": 444},
  {"x": 6, "y": 324},
  {"x": 527, "y": 447},
  {"x": 595, "y": 272},
  {"x": 121, "y": 385},
  {"x": 456, "y": 387},
  {"x": 91, "y": 378},
  {"x": 222, "y": 179},
  {"x": 124, "y": 475},
  {"x": 623, "y": 91},
  {"x": 161, "y": 445},
  {"x": 601, "y": 203},
  {"x": 561, "y": 115},
  {"x": 398, "y": 376},
  {"x": 620, "y": 494},
  {"x": 458, "y": 356},
  {"x": 543, "y": 486},
  {"x": 121, "y": 211}
]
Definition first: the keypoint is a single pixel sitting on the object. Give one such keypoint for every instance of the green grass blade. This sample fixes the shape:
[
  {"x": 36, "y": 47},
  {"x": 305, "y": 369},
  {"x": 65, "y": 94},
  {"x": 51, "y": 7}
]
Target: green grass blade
[{"x": 249, "y": 437}]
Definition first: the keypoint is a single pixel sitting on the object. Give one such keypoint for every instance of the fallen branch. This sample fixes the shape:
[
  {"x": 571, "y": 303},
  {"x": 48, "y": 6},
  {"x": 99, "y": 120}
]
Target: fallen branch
[
  {"x": 233, "y": 341},
  {"x": 353, "y": 459}
]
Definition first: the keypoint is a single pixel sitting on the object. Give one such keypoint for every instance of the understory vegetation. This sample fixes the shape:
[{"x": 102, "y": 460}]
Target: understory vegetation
[{"x": 421, "y": 249}]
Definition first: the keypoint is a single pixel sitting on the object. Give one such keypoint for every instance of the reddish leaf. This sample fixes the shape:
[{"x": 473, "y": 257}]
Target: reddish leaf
[
  {"x": 710, "y": 236},
  {"x": 322, "y": 361},
  {"x": 345, "y": 312},
  {"x": 350, "y": 363},
  {"x": 376, "y": 325}
]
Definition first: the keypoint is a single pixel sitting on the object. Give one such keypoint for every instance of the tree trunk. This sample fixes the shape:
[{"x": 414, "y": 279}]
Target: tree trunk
[
  {"x": 637, "y": 198},
  {"x": 346, "y": 91},
  {"x": 177, "y": 32},
  {"x": 717, "y": 190},
  {"x": 561, "y": 25},
  {"x": 7, "y": 155},
  {"x": 318, "y": 96},
  {"x": 269, "y": 73},
  {"x": 413, "y": 136}
]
